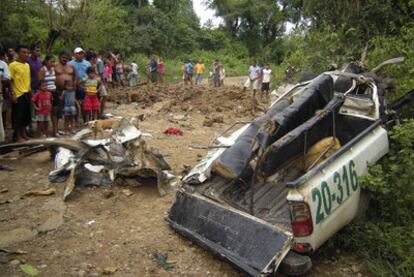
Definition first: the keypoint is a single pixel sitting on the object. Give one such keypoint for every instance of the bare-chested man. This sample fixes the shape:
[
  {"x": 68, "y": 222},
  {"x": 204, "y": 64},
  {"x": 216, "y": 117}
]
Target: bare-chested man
[{"x": 64, "y": 71}]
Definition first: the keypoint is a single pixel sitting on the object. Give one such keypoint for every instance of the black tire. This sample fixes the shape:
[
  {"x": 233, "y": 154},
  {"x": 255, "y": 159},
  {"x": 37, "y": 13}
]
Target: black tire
[{"x": 295, "y": 264}]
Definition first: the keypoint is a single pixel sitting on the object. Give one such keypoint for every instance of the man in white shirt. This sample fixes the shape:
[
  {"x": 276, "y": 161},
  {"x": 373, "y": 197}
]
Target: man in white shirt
[
  {"x": 133, "y": 78},
  {"x": 254, "y": 76},
  {"x": 267, "y": 74}
]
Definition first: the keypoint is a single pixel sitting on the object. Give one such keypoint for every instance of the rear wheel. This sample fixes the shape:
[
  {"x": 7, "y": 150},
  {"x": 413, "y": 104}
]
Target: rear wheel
[{"x": 295, "y": 264}]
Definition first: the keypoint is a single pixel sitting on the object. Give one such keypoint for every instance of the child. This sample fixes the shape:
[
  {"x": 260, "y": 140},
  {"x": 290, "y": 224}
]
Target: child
[
  {"x": 71, "y": 106},
  {"x": 42, "y": 101},
  {"x": 267, "y": 74},
  {"x": 91, "y": 104},
  {"x": 108, "y": 72}
]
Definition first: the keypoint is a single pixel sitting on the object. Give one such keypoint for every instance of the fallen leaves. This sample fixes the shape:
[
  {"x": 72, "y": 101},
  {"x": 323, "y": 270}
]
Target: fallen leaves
[
  {"x": 44, "y": 192},
  {"x": 127, "y": 192},
  {"x": 29, "y": 269},
  {"x": 110, "y": 270}
]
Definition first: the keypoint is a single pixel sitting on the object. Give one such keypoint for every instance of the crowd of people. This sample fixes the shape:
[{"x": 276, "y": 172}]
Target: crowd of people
[
  {"x": 216, "y": 76},
  {"x": 76, "y": 86}
]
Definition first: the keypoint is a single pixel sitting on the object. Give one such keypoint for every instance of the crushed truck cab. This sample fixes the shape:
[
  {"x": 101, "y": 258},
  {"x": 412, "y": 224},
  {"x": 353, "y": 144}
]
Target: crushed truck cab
[{"x": 280, "y": 186}]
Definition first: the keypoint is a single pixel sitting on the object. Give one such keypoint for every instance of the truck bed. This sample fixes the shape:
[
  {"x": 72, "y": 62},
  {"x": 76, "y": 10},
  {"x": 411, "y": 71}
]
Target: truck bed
[
  {"x": 269, "y": 199},
  {"x": 270, "y": 202}
]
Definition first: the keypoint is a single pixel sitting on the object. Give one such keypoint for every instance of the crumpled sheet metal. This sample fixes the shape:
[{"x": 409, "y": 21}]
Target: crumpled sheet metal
[
  {"x": 123, "y": 156},
  {"x": 80, "y": 161}
]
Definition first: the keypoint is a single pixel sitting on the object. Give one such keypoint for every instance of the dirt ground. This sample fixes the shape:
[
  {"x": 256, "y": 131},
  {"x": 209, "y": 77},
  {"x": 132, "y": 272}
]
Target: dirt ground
[{"x": 106, "y": 231}]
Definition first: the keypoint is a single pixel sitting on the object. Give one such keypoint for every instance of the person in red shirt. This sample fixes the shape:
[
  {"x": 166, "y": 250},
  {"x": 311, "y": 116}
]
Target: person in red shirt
[{"x": 42, "y": 102}]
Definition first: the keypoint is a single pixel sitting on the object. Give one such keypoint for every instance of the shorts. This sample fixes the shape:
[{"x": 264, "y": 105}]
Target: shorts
[
  {"x": 80, "y": 93},
  {"x": 56, "y": 98},
  {"x": 254, "y": 83},
  {"x": 22, "y": 111},
  {"x": 120, "y": 76},
  {"x": 109, "y": 78},
  {"x": 91, "y": 103},
  {"x": 69, "y": 111},
  {"x": 265, "y": 86},
  {"x": 42, "y": 118},
  {"x": 57, "y": 103}
]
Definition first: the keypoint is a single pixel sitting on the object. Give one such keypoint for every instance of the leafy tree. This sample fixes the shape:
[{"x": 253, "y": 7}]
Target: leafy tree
[
  {"x": 22, "y": 22},
  {"x": 256, "y": 23}
]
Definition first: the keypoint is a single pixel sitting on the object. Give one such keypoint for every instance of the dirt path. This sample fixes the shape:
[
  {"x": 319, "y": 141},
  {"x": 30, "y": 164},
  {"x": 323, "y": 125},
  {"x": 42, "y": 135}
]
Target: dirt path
[{"x": 100, "y": 230}]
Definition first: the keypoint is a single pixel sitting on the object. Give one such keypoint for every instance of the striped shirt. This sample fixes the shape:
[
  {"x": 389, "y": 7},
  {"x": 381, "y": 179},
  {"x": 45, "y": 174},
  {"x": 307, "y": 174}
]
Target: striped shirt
[{"x": 50, "y": 78}]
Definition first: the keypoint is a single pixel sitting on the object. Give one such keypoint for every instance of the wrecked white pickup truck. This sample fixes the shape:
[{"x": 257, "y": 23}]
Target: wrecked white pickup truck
[{"x": 284, "y": 184}]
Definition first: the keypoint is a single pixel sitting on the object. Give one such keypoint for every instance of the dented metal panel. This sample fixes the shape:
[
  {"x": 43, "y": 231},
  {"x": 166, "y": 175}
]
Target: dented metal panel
[{"x": 249, "y": 243}]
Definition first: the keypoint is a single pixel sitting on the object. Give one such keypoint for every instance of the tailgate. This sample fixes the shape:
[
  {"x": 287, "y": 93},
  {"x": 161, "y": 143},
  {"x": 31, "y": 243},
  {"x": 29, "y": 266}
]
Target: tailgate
[{"x": 251, "y": 244}]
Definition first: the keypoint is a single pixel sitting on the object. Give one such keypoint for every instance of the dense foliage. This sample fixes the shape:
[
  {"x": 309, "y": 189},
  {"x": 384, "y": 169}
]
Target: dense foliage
[
  {"x": 385, "y": 238},
  {"x": 337, "y": 32},
  {"x": 258, "y": 24},
  {"x": 165, "y": 28}
]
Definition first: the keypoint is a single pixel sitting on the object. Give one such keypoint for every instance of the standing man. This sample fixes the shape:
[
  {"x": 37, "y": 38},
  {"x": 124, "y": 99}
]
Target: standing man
[
  {"x": 11, "y": 55},
  {"x": 35, "y": 65},
  {"x": 4, "y": 79},
  {"x": 267, "y": 75},
  {"x": 216, "y": 73},
  {"x": 133, "y": 79},
  {"x": 64, "y": 72},
  {"x": 199, "y": 69},
  {"x": 254, "y": 77},
  {"x": 20, "y": 84},
  {"x": 189, "y": 67},
  {"x": 288, "y": 72},
  {"x": 103, "y": 93},
  {"x": 80, "y": 65},
  {"x": 100, "y": 67},
  {"x": 153, "y": 69}
]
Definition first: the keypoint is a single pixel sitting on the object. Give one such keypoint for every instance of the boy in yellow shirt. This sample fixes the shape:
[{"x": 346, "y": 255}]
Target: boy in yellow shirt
[
  {"x": 20, "y": 85},
  {"x": 199, "y": 69}
]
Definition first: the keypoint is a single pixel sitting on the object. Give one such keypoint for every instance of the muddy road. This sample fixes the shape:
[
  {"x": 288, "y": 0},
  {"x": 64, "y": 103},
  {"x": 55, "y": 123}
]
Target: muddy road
[{"x": 121, "y": 231}]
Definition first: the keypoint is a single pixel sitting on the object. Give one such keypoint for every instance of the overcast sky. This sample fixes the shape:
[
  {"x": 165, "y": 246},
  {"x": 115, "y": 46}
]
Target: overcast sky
[{"x": 204, "y": 13}]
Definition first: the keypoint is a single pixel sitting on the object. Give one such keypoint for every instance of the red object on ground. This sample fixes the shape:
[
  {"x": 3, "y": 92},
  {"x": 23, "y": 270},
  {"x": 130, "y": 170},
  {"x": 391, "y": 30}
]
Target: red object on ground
[{"x": 173, "y": 131}]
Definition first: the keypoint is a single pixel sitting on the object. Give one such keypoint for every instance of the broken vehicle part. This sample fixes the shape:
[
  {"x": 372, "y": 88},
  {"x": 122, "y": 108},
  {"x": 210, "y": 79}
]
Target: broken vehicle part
[
  {"x": 281, "y": 117},
  {"x": 81, "y": 161}
]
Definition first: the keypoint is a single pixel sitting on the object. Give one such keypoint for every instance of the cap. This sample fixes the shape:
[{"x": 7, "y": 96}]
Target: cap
[{"x": 77, "y": 50}]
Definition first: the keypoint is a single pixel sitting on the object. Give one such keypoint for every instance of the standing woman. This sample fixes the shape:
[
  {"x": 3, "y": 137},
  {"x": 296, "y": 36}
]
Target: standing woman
[
  {"x": 161, "y": 70},
  {"x": 47, "y": 74},
  {"x": 120, "y": 72}
]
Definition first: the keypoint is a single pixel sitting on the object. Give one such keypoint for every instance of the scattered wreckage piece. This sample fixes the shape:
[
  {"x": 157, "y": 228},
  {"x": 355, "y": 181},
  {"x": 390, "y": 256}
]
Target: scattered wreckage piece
[
  {"x": 278, "y": 199},
  {"x": 123, "y": 155}
]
